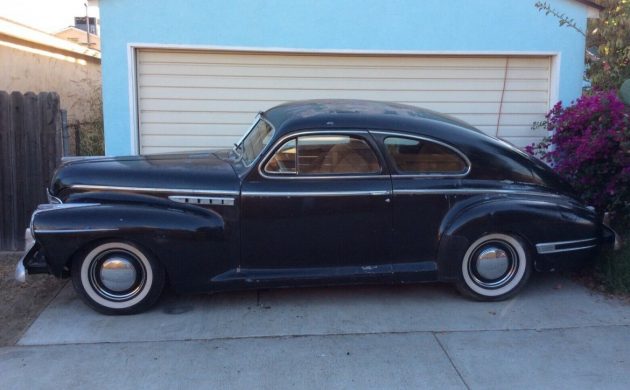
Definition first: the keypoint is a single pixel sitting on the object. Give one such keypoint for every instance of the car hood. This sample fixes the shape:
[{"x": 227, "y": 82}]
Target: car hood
[{"x": 180, "y": 171}]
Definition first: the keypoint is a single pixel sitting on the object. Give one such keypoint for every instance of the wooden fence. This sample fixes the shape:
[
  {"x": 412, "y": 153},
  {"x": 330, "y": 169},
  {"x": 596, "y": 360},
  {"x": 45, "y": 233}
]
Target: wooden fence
[{"x": 30, "y": 150}]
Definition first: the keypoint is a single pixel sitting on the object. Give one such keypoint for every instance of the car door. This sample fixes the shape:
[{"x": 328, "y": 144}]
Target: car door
[
  {"x": 318, "y": 199},
  {"x": 425, "y": 173}
]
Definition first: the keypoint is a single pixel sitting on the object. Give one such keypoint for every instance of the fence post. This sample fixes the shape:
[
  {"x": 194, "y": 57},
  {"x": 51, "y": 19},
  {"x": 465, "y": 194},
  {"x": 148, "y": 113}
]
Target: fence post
[
  {"x": 8, "y": 239},
  {"x": 22, "y": 151},
  {"x": 77, "y": 139},
  {"x": 30, "y": 149},
  {"x": 65, "y": 137}
]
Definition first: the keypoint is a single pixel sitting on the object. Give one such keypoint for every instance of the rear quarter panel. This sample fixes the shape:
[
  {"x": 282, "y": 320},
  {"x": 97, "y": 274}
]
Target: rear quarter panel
[{"x": 534, "y": 219}]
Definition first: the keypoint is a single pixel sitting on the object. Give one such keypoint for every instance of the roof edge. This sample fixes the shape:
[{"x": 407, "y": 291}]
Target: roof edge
[
  {"x": 26, "y": 33},
  {"x": 591, "y": 4}
]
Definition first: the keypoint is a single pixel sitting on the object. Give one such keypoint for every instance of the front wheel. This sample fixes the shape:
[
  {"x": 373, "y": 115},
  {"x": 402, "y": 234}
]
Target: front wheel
[
  {"x": 495, "y": 267},
  {"x": 117, "y": 278}
]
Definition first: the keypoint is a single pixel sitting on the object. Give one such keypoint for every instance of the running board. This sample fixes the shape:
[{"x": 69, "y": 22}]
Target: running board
[{"x": 420, "y": 271}]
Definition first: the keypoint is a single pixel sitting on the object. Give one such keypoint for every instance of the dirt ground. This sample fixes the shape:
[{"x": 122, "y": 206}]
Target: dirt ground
[{"x": 20, "y": 304}]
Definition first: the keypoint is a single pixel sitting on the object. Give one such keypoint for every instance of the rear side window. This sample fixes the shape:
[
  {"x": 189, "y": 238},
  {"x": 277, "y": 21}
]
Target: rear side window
[
  {"x": 324, "y": 155},
  {"x": 418, "y": 157}
]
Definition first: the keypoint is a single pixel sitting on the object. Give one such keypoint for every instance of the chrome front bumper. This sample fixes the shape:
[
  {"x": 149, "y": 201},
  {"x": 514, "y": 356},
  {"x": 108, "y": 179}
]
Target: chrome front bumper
[
  {"x": 20, "y": 269},
  {"x": 20, "y": 272}
]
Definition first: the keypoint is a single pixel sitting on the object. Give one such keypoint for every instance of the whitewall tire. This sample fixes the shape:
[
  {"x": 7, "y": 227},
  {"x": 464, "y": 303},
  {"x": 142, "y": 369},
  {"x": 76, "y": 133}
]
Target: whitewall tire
[
  {"x": 117, "y": 277},
  {"x": 495, "y": 267}
]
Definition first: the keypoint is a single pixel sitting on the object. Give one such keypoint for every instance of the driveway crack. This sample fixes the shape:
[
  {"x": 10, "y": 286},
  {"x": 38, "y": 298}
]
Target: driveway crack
[{"x": 461, "y": 377}]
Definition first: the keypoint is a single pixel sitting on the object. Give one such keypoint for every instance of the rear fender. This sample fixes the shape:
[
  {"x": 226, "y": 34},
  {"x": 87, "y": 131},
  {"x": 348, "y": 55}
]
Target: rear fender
[{"x": 532, "y": 219}]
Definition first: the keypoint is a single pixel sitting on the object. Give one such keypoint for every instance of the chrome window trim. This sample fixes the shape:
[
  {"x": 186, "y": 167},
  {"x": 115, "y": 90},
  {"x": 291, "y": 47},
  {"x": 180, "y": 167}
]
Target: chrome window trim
[
  {"x": 282, "y": 139},
  {"x": 256, "y": 119},
  {"x": 290, "y": 194},
  {"x": 203, "y": 200},
  {"x": 544, "y": 248},
  {"x": 154, "y": 190},
  {"x": 428, "y": 139},
  {"x": 472, "y": 191},
  {"x": 273, "y": 132}
]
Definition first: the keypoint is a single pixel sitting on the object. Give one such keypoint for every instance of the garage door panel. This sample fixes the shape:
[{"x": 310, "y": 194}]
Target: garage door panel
[
  {"x": 506, "y": 119},
  {"x": 233, "y": 130},
  {"x": 521, "y": 142},
  {"x": 194, "y": 99},
  {"x": 195, "y": 117},
  {"x": 207, "y": 105},
  {"x": 298, "y": 94},
  {"x": 437, "y": 84},
  {"x": 170, "y": 149},
  {"x": 187, "y": 141},
  {"x": 325, "y": 60},
  {"x": 254, "y": 106},
  {"x": 335, "y": 72}
]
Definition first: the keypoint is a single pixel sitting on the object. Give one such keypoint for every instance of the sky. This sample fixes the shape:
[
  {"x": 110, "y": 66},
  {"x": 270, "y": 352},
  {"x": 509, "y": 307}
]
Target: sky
[{"x": 46, "y": 15}]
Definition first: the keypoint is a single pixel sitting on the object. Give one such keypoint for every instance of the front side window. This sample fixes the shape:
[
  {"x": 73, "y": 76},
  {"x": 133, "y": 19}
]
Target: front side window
[
  {"x": 324, "y": 155},
  {"x": 254, "y": 142},
  {"x": 413, "y": 156}
]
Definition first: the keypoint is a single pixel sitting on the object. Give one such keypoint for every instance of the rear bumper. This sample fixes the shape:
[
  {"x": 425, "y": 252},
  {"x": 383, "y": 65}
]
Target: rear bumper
[{"x": 610, "y": 239}]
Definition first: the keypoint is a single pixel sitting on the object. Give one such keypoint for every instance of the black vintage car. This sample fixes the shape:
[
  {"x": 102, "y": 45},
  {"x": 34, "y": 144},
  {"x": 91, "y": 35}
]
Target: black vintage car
[{"x": 316, "y": 192}]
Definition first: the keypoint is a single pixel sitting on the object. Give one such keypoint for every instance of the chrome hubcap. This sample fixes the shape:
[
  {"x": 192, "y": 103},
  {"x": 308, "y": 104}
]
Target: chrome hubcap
[
  {"x": 493, "y": 264},
  {"x": 118, "y": 274}
]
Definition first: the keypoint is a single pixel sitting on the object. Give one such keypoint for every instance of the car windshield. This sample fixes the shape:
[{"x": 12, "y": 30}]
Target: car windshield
[{"x": 254, "y": 142}]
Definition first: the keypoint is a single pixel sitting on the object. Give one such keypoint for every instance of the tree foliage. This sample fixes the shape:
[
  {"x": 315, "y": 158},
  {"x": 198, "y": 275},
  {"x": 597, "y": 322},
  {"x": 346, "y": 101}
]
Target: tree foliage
[
  {"x": 610, "y": 34},
  {"x": 607, "y": 37}
]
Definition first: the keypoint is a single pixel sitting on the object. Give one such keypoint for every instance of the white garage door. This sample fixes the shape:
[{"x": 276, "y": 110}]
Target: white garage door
[{"x": 190, "y": 100}]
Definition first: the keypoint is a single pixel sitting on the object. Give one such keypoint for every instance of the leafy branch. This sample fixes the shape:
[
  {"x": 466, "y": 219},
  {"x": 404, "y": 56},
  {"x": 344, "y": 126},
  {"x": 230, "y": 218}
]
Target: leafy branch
[{"x": 563, "y": 19}]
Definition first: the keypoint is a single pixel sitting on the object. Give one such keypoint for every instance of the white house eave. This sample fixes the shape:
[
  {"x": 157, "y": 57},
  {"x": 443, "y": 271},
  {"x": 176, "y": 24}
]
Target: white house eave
[
  {"x": 29, "y": 34},
  {"x": 285, "y": 50}
]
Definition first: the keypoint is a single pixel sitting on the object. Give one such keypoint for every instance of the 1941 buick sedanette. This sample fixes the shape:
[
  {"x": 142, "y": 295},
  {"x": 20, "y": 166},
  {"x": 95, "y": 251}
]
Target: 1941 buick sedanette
[{"x": 316, "y": 192}]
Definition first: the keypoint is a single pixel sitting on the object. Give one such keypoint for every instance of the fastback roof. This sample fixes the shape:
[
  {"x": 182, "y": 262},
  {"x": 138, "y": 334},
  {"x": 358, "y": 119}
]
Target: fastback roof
[{"x": 341, "y": 113}]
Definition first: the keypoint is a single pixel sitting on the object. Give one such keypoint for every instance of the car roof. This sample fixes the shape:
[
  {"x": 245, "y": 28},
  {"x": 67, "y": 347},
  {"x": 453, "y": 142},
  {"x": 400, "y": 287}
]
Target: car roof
[{"x": 337, "y": 113}]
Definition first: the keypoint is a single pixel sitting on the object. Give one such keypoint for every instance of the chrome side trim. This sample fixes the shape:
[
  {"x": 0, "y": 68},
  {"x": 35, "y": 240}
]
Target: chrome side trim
[
  {"x": 202, "y": 200},
  {"x": 315, "y": 193},
  {"x": 54, "y": 206},
  {"x": 428, "y": 139},
  {"x": 154, "y": 190},
  {"x": 263, "y": 162},
  {"x": 87, "y": 230},
  {"x": 472, "y": 191},
  {"x": 552, "y": 247}
]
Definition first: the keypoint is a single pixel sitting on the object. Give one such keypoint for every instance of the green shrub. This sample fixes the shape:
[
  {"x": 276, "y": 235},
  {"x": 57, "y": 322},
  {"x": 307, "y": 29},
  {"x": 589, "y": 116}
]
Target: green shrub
[{"x": 613, "y": 269}]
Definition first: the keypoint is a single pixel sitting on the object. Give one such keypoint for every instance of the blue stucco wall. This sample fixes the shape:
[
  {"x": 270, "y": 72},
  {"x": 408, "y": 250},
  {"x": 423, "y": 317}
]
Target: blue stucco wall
[{"x": 414, "y": 25}]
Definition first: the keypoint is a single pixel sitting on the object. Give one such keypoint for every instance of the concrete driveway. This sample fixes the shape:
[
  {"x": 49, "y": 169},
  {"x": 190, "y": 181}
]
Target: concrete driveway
[{"x": 555, "y": 334}]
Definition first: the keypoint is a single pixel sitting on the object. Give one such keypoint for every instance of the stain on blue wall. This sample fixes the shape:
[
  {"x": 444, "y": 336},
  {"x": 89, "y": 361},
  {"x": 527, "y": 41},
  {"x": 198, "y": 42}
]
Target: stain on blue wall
[{"x": 405, "y": 25}]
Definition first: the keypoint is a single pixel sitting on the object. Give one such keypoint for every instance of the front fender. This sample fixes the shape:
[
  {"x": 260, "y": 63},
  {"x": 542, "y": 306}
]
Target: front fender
[{"x": 171, "y": 231}]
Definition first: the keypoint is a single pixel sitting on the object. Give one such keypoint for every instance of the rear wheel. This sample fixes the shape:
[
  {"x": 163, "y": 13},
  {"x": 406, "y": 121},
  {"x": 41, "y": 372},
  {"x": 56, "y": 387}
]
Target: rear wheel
[
  {"x": 495, "y": 267},
  {"x": 117, "y": 278}
]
